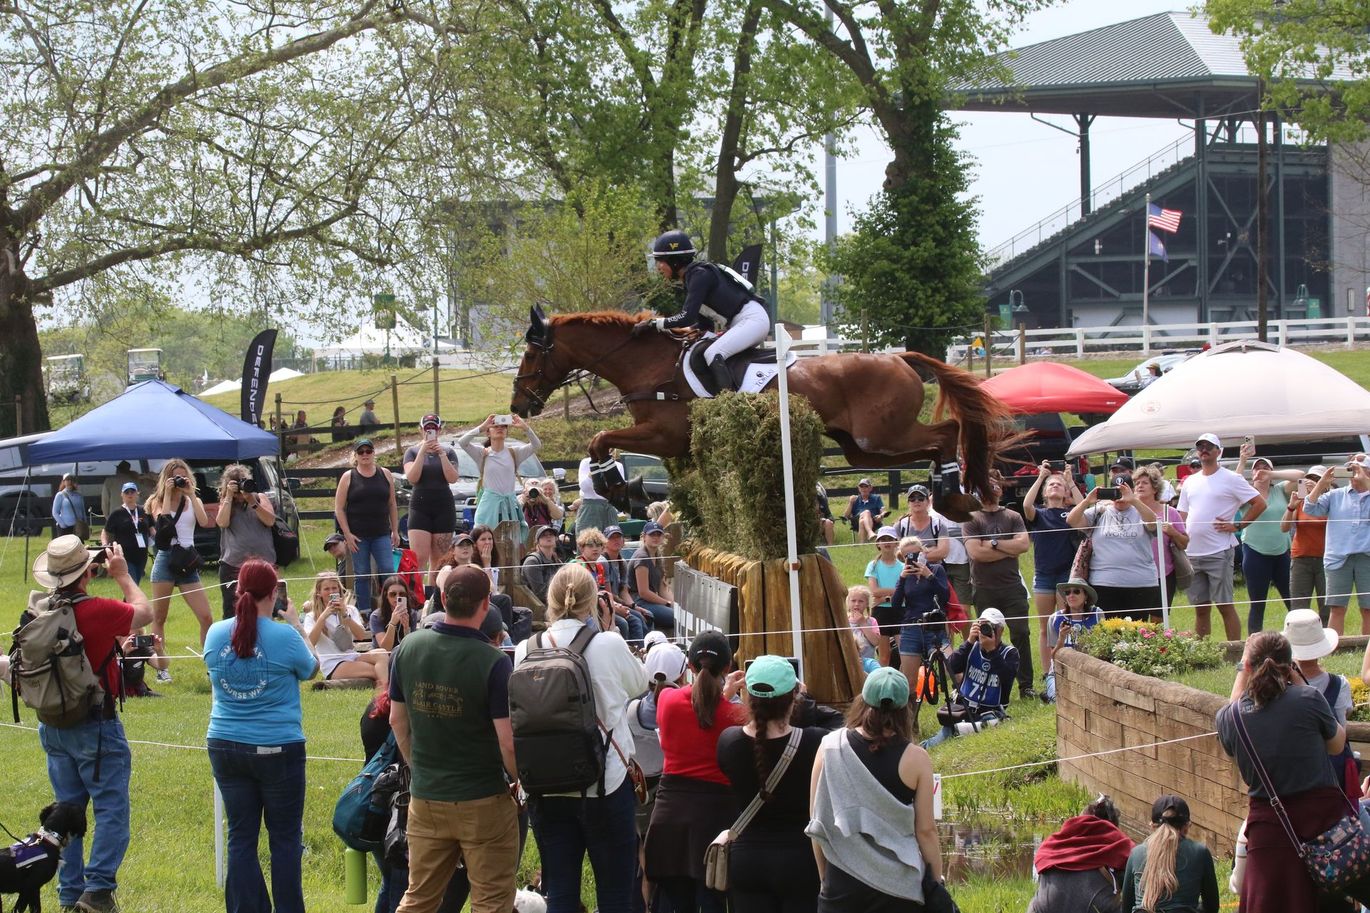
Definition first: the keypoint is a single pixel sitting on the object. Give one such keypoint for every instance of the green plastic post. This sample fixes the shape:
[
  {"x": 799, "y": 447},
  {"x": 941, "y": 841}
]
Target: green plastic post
[{"x": 355, "y": 879}]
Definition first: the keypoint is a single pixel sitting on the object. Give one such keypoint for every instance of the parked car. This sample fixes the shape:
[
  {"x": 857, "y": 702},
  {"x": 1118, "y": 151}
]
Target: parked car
[
  {"x": 1050, "y": 440},
  {"x": 1135, "y": 380}
]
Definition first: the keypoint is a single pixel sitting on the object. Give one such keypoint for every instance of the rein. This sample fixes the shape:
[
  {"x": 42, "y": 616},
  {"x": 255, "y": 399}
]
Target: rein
[{"x": 578, "y": 375}]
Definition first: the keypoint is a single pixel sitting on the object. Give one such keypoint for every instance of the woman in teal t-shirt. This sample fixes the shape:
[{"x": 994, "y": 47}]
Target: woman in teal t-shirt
[
  {"x": 256, "y": 740},
  {"x": 1265, "y": 548},
  {"x": 882, "y": 573}
]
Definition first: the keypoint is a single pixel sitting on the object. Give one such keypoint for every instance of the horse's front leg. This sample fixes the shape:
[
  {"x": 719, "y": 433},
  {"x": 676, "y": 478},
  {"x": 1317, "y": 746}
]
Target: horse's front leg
[{"x": 663, "y": 440}]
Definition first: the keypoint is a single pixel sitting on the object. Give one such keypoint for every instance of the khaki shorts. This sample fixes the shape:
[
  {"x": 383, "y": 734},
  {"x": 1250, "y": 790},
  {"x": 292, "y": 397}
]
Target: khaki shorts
[{"x": 1212, "y": 578}]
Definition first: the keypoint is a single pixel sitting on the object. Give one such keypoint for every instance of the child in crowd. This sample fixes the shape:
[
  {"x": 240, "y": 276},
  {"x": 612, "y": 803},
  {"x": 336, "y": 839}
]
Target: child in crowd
[{"x": 873, "y": 649}]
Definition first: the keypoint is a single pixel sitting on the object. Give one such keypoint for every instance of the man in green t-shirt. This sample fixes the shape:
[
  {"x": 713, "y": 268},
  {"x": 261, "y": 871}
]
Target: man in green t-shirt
[{"x": 449, "y": 693}]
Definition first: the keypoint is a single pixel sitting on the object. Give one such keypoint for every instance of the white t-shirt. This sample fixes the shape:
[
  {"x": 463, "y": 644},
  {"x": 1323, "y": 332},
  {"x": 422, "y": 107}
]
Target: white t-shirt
[
  {"x": 617, "y": 677},
  {"x": 952, "y": 533},
  {"x": 1209, "y": 499}
]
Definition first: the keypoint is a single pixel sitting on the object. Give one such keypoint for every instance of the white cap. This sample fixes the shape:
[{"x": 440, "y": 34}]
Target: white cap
[
  {"x": 652, "y": 639},
  {"x": 1210, "y": 438},
  {"x": 666, "y": 663},
  {"x": 886, "y": 532},
  {"x": 994, "y": 617}
]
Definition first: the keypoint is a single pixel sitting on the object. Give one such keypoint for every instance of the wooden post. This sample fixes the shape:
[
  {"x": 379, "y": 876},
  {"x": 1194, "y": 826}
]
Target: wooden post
[
  {"x": 280, "y": 429},
  {"x": 1022, "y": 343},
  {"x": 436, "y": 409},
  {"x": 989, "y": 347},
  {"x": 395, "y": 403}
]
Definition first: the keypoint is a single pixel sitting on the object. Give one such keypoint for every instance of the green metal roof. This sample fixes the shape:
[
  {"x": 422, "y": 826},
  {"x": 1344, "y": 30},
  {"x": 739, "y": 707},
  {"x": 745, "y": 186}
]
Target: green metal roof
[{"x": 1164, "y": 65}]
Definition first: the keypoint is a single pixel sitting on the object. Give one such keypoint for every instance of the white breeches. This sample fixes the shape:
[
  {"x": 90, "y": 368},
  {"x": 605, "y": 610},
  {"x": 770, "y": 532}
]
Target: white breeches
[{"x": 749, "y": 328}]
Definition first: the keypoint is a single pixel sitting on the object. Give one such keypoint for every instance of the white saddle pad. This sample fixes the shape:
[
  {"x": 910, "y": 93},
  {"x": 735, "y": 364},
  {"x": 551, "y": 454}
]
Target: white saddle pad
[{"x": 754, "y": 381}]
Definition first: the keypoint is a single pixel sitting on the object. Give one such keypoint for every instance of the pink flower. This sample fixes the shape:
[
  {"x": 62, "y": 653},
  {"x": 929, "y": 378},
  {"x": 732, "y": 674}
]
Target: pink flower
[
  {"x": 1169, "y": 632},
  {"x": 1148, "y": 633}
]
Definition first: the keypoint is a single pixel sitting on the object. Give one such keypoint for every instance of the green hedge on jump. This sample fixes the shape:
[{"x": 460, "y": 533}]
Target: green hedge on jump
[{"x": 731, "y": 492}]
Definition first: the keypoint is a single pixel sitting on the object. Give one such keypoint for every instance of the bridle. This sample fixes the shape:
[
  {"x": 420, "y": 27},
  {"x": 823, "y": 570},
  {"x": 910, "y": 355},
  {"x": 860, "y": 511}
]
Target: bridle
[{"x": 544, "y": 344}]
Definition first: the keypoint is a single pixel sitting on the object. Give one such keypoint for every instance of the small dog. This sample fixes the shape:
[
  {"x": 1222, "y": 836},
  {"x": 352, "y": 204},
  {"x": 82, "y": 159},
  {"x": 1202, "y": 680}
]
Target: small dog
[
  {"x": 527, "y": 900},
  {"x": 29, "y": 864}
]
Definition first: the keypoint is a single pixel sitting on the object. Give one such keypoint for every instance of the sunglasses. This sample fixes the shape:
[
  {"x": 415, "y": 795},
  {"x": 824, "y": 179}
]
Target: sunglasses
[
  {"x": 365, "y": 451},
  {"x": 918, "y": 497},
  {"x": 1204, "y": 446},
  {"x": 1074, "y": 591}
]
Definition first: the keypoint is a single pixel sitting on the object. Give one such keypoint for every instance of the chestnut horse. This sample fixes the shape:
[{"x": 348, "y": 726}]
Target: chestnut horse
[{"x": 869, "y": 404}]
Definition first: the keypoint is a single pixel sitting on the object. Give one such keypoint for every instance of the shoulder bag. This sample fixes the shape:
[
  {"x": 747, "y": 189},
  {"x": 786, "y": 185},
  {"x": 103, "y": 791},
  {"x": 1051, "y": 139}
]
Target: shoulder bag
[
  {"x": 716, "y": 856},
  {"x": 1335, "y": 859},
  {"x": 81, "y": 529},
  {"x": 1184, "y": 569},
  {"x": 183, "y": 559}
]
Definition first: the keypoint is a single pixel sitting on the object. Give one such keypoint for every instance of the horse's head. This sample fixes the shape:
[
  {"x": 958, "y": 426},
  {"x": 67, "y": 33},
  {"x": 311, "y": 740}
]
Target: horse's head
[{"x": 538, "y": 376}]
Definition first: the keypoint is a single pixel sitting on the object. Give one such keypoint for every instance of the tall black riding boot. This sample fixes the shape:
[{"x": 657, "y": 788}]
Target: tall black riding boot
[{"x": 718, "y": 369}]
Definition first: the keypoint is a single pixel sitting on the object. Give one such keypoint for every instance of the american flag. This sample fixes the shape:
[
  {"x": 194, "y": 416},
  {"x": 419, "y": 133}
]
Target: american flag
[{"x": 1164, "y": 219}]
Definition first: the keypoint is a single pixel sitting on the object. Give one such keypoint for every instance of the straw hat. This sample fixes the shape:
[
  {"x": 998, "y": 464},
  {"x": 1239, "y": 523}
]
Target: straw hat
[
  {"x": 1308, "y": 639},
  {"x": 62, "y": 562}
]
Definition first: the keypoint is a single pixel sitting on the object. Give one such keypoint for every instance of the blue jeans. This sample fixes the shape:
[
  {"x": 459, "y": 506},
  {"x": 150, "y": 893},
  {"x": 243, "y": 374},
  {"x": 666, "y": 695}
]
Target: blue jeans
[
  {"x": 258, "y": 786},
  {"x": 663, "y": 616},
  {"x": 72, "y": 756},
  {"x": 567, "y": 827},
  {"x": 378, "y": 552},
  {"x": 1261, "y": 571},
  {"x": 637, "y": 627}
]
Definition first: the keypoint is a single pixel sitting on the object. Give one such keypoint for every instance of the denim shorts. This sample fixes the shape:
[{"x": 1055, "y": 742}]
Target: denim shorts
[
  {"x": 161, "y": 570},
  {"x": 1045, "y": 581},
  {"x": 922, "y": 640}
]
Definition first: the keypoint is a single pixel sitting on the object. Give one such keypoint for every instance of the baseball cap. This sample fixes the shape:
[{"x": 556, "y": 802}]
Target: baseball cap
[
  {"x": 711, "y": 649},
  {"x": 770, "y": 676},
  {"x": 1177, "y": 807},
  {"x": 430, "y": 420},
  {"x": 864, "y": 483},
  {"x": 1124, "y": 462},
  {"x": 1315, "y": 472},
  {"x": 362, "y": 442},
  {"x": 1209, "y": 438},
  {"x": 369, "y": 402},
  {"x": 652, "y": 639},
  {"x": 650, "y": 527},
  {"x": 886, "y": 684},
  {"x": 129, "y": 486},
  {"x": 464, "y": 537},
  {"x": 994, "y": 617},
  {"x": 1265, "y": 460},
  {"x": 917, "y": 490},
  {"x": 886, "y": 532},
  {"x": 540, "y": 532},
  {"x": 611, "y": 531},
  {"x": 493, "y": 624},
  {"x": 335, "y": 539},
  {"x": 666, "y": 663}
]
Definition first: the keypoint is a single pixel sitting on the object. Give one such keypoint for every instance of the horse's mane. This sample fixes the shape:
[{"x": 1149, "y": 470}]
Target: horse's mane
[{"x": 601, "y": 318}]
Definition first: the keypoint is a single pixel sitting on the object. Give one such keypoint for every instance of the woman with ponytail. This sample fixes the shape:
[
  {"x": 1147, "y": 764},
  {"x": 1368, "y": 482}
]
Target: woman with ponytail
[
  {"x": 771, "y": 868},
  {"x": 1292, "y": 730},
  {"x": 1169, "y": 871},
  {"x": 256, "y": 739},
  {"x": 693, "y": 801}
]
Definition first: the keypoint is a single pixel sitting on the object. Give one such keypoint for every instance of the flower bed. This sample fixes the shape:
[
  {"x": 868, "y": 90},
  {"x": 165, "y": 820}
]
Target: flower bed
[{"x": 1149, "y": 649}]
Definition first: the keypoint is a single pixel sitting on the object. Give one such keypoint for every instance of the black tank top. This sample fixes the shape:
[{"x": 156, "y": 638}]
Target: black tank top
[
  {"x": 368, "y": 505},
  {"x": 883, "y": 764}
]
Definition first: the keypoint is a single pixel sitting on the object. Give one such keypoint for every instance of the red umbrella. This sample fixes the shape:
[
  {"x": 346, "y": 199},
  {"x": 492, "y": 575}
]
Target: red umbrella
[{"x": 1051, "y": 387}]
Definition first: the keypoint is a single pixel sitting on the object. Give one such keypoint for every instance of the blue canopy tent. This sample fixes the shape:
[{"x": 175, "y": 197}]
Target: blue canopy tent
[{"x": 154, "y": 420}]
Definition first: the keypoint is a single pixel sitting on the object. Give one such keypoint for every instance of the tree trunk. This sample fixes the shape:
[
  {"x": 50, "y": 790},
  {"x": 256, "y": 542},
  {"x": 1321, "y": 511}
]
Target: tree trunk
[
  {"x": 725, "y": 176},
  {"x": 21, "y": 359}
]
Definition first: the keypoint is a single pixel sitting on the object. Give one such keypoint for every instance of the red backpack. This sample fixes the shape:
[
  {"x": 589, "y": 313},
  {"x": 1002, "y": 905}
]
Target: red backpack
[{"x": 408, "y": 571}]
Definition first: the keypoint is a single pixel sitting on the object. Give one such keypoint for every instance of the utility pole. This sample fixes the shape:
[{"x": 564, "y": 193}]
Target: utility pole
[{"x": 1262, "y": 214}]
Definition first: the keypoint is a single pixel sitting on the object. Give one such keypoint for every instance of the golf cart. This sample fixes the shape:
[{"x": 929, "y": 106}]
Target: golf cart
[
  {"x": 66, "y": 376},
  {"x": 144, "y": 364}
]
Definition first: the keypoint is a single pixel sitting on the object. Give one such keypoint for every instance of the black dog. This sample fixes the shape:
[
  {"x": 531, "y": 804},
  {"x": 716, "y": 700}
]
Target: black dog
[{"x": 29, "y": 864}]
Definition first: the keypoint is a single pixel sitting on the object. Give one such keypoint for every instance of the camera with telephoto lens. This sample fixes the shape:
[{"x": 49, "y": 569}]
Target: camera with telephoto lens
[
  {"x": 180, "y": 481},
  {"x": 247, "y": 486},
  {"x": 987, "y": 629},
  {"x": 144, "y": 641}
]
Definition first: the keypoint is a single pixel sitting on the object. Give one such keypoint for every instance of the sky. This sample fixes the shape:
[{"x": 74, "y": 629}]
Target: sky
[{"x": 1023, "y": 170}]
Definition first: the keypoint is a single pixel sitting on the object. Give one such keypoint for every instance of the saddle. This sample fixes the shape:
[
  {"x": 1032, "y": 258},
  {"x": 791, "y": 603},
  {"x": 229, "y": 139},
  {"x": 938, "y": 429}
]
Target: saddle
[{"x": 739, "y": 365}]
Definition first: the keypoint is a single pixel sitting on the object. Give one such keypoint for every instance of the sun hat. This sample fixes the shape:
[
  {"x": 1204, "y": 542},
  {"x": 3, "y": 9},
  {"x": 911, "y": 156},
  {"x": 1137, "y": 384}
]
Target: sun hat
[
  {"x": 1315, "y": 472},
  {"x": 1076, "y": 582},
  {"x": 770, "y": 676},
  {"x": 62, "y": 562},
  {"x": 362, "y": 442},
  {"x": 1209, "y": 438},
  {"x": 887, "y": 688},
  {"x": 1178, "y": 808},
  {"x": 711, "y": 649},
  {"x": 652, "y": 639},
  {"x": 1308, "y": 639},
  {"x": 129, "y": 486},
  {"x": 886, "y": 532},
  {"x": 666, "y": 663}
]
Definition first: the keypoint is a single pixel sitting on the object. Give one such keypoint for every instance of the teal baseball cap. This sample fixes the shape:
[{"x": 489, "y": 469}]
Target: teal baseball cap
[
  {"x": 770, "y": 676},
  {"x": 886, "y": 684}
]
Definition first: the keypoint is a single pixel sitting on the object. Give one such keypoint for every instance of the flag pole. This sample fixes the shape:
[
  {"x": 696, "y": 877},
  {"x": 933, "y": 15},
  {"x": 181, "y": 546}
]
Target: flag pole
[{"x": 1146, "y": 271}]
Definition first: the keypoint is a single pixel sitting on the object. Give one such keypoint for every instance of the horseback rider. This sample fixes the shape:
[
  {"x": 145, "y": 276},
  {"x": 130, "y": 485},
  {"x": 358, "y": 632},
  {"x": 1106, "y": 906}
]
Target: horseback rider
[{"x": 716, "y": 299}]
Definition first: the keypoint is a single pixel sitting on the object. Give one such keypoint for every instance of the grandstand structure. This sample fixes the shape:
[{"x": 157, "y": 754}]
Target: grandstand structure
[{"x": 1082, "y": 266}]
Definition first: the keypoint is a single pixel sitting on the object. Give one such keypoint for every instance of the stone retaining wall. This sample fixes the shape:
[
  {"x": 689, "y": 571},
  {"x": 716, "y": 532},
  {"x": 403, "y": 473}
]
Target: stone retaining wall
[{"x": 1101, "y": 707}]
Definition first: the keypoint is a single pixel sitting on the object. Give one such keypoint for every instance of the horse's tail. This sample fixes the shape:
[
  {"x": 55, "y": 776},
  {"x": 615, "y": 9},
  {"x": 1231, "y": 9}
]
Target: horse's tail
[{"x": 982, "y": 417}]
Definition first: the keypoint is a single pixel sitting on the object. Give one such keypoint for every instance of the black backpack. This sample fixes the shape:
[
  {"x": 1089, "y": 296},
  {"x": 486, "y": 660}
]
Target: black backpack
[{"x": 558, "y": 740}]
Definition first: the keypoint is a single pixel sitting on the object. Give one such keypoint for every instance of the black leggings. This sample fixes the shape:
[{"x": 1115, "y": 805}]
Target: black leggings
[{"x": 773, "y": 873}]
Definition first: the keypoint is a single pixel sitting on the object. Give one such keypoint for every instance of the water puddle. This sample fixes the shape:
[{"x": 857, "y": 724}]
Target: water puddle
[{"x": 987, "y": 851}]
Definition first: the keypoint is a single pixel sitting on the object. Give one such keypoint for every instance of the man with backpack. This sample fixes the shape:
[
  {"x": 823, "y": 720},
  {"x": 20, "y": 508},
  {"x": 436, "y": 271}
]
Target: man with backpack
[
  {"x": 73, "y": 693},
  {"x": 449, "y": 710}
]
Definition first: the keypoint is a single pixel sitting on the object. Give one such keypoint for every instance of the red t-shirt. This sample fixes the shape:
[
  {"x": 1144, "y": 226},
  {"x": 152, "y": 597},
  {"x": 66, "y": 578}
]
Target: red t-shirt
[
  {"x": 687, "y": 749},
  {"x": 101, "y": 621}
]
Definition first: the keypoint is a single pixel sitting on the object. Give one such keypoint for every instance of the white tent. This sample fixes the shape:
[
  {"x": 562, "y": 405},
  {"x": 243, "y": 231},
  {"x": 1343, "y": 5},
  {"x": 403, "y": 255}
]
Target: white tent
[
  {"x": 403, "y": 339},
  {"x": 280, "y": 375},
  {"x": 1232, "y": 390}
]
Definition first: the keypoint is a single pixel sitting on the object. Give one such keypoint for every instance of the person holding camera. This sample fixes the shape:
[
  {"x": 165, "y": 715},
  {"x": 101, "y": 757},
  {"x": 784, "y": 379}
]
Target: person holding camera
[
  {"x": 334, "y": 627},
  {"x": 918, "y": 609},
  {"x": 368, "y": 518},
  {"x": 1076, "y": 616},
  {"x": 245, "y": 520},
  {"x": 256, "y": 739},
  {"x": 541, "y": 506},
  {"x": 498, "y": 462},
  {"x": 987, "y": 666},
  {"x": 1122, "y": 569},
  {"x": 1053, "y": 546},
  {"x": 430, "y": 469},
  {"x": 176, "y": 509},
  {"x": 131, "y": 527},
  {"x": 1307, "y": 576}
]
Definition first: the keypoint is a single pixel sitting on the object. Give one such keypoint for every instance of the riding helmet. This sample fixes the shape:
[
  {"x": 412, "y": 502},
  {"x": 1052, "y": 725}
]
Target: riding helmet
[{"x": 674, "y": 244}]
